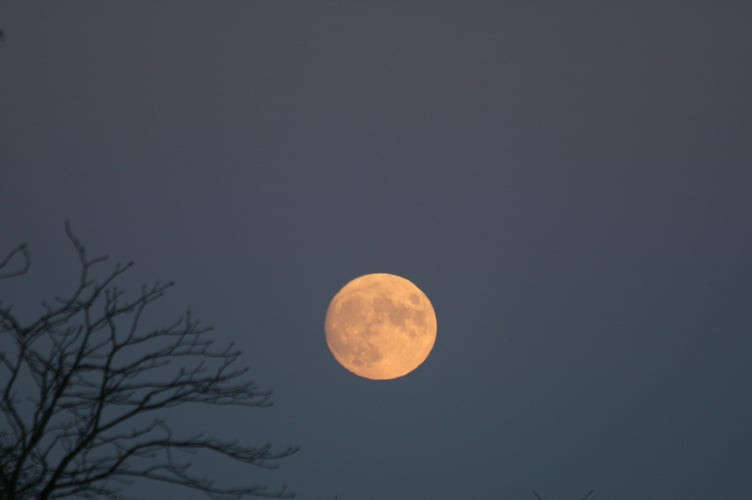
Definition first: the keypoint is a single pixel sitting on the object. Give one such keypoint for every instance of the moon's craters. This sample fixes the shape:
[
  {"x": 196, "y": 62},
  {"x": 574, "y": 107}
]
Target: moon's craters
[{"x": 380, "y": 326}]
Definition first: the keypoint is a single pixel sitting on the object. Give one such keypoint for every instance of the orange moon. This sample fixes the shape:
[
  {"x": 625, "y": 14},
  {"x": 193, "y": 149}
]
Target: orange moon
[{"x": 380, "y": 326}]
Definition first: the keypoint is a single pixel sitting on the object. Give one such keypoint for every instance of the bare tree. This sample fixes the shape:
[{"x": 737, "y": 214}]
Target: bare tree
[{"x": 84, "y": 388}]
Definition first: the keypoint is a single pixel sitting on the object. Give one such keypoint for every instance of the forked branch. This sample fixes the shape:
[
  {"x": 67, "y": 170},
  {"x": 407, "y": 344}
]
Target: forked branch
[
  {"x": 100, "y": 381},
  {"x": 23, "y": 251}
]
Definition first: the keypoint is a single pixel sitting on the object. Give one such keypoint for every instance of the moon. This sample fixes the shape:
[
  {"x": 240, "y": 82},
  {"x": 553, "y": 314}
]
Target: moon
[{"x": 380, "y": 326}]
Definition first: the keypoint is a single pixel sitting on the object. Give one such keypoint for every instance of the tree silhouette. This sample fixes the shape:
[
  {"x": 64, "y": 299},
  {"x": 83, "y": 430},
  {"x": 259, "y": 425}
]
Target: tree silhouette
[{"x": 84, "y": 386}]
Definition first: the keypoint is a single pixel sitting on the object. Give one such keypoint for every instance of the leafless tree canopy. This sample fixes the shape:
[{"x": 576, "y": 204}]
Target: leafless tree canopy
[{"x": 83, "y": 386}]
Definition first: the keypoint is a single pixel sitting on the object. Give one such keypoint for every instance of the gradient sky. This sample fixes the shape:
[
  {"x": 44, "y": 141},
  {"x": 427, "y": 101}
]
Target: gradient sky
[{"x": 569, "y": 182}]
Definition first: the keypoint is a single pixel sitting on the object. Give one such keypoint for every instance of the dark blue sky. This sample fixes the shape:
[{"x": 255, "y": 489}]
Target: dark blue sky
[{"x": 569, "y": 182}]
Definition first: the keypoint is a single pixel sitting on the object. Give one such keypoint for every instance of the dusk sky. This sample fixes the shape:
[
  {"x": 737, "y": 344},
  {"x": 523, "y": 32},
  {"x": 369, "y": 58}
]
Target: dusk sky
[{"x": 570, "y": 183}]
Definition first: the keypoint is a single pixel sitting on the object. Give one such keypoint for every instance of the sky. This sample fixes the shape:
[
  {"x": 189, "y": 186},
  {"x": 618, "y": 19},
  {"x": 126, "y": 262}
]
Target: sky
[{"x": 568, "y": 182}]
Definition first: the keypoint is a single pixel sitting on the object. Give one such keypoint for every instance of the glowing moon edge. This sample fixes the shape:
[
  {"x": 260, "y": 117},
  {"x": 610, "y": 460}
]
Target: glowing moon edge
[{"x": 380, "y": 326}]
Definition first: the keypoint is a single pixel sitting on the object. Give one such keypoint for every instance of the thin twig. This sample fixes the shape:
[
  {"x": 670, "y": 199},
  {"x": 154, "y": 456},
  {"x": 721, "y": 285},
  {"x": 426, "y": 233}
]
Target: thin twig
[
  {"x": 102, "y": 379},
  {"x": 22, "y": 249}
]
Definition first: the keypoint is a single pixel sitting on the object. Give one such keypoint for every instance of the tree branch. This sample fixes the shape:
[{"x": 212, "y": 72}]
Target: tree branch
[
  {"x": 102, "y": 380},
  {"x": 23, "y": 250}
]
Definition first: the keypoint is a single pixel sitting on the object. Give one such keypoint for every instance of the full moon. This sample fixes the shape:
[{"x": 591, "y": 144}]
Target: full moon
[{"x": 380, "y": 326}]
